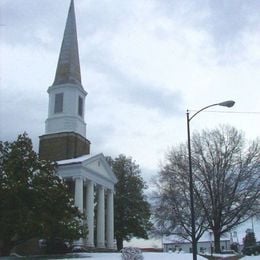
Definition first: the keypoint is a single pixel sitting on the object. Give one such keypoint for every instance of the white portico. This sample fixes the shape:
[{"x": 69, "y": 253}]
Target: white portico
[{"x": 93, "y": 180}]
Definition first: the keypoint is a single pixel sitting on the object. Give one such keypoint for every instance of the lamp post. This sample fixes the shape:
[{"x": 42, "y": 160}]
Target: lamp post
[{"x": 228, "y": 103}]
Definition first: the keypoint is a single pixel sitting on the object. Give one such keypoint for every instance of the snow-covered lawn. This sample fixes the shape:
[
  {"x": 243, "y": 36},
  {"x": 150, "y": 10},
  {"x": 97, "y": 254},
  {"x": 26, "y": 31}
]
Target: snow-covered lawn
[
  {"x": 251, "y": 257},
  {"x": 149, "y": 256}
]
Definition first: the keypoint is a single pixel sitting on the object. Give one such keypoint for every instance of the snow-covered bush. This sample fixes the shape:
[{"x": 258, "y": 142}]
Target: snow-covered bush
[{"x": 131, "y": 253}]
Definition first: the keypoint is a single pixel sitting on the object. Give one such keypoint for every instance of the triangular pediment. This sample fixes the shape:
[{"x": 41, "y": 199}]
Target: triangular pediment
[
  {"x": 89, "y": 167},
  {"x": 98, "y": 164}
]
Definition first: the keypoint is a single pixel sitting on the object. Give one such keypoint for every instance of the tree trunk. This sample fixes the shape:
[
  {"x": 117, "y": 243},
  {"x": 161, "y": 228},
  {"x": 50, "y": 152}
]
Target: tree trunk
[
  {"x": 119, "y": 243},
  {"x": 217, "y": 248}
]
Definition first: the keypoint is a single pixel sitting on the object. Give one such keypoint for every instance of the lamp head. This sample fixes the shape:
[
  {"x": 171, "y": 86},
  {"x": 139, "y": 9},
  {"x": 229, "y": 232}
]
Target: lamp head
[{"x": 228, "y": 103}]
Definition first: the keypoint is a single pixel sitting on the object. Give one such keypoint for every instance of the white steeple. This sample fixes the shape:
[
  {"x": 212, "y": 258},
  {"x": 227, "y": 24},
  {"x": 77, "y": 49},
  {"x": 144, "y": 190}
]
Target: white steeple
[{"x": 66, "y": 95}]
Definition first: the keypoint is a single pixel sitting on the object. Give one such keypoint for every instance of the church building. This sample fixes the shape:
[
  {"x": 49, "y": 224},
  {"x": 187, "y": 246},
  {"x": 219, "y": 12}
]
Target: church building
[{"x": 65, "y": 142}]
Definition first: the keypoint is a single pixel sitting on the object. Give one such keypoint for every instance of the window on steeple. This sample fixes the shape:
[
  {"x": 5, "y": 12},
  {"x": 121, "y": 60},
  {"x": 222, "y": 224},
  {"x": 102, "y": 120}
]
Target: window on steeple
[
  {"x": 58, "y": 106},
  {"x": 80, "y": 106}
]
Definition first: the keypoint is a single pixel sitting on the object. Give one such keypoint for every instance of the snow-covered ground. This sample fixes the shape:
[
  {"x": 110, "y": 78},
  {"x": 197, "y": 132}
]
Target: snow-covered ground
[
  {"x": 149, "y": 256},
  {"x": 251, "y": 257}
]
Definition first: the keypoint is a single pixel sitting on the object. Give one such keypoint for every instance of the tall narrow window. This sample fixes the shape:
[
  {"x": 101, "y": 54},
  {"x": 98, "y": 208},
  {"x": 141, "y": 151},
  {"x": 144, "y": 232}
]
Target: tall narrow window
[
  {"x": 58, "y": 107},
  {"x": 80, "y": 106}
]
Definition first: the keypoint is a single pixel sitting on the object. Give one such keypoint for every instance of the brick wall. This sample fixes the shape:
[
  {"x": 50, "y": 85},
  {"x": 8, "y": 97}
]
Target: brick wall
[{"x": 63, "y": 146}]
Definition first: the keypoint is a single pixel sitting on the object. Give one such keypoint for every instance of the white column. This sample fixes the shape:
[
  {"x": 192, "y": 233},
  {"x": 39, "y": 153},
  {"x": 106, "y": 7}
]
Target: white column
[
  {"x": 79, "y": 193},
  {"x": 90, "y": 213},
  {"x": 110, "y": 219},
  {"x": 101, "y": 218},
  {"x": 78, "y": 197}
]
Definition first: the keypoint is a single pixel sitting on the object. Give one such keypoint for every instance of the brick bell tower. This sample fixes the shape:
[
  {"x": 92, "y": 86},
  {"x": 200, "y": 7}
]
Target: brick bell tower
[{"x": 65, "y": 128}]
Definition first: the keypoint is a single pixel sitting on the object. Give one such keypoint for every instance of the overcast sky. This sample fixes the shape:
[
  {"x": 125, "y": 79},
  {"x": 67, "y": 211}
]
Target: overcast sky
[{"x": 143, "y": 63}]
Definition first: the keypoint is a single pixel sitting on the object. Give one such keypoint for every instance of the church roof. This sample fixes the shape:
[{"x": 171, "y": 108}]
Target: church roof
[
  {"x": 91, "y": 167},
  {"x": 68, "y": 68},
  {"x": 79, "y": 159}
]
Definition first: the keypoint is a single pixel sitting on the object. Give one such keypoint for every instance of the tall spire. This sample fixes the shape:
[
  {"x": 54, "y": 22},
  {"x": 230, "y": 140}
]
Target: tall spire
[{"x": 68, "y": 69}]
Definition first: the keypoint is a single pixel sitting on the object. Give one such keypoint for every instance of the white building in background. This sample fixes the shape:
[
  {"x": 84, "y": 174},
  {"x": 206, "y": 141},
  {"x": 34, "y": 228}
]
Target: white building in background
[
  {"x": 174, "y": 242},
  {"x": 89, "y": 177},
  {"x": 205, "y": 244}
]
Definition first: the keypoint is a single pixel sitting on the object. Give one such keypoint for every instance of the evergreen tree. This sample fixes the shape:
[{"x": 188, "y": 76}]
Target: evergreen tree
[
  {"x": 34, "y": 201},
  {"x": 132, "y": 218},
  {"x": 249, "y": 239}
]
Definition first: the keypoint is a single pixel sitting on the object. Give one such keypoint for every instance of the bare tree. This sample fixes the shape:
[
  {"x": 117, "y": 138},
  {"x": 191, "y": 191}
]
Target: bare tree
[
  {"x": 226, "y": 182},
  {"x": 171, "y": 199},
  {"x": 227, "y": 178}
]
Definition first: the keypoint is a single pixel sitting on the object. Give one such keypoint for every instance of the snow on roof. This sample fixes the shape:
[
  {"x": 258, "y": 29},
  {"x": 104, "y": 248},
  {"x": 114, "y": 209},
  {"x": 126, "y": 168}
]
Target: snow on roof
[{"x": 75, "y": 160}]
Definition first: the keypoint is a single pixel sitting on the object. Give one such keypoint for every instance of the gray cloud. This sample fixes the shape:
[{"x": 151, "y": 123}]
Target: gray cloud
[
  {"x": 149, "y": 96},
  {"x": 103, "y": 16},
  {"x": 228, "y": 19},
  {"x": 143, "y": 62},
  {"x": 24, "y": 20},
  {"x": 224, "y": 21},
  {"x": 227, "y": 23},
  {"x": 135, "y": 92}
]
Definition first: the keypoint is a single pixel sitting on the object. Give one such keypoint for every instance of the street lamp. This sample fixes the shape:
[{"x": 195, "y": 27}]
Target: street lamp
[{"x": 228, "y": 103}]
